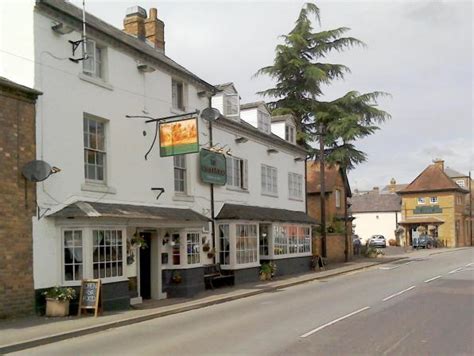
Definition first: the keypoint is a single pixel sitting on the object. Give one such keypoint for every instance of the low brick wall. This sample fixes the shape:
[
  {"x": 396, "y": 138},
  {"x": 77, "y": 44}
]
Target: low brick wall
[{"x": 335, "y": 247}]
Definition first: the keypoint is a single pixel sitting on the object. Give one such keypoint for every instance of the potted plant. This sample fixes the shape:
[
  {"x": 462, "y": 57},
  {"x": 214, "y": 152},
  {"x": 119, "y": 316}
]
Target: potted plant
[
  {"x": 176, "y": 277},
  {"x": 267, "y": 271},
  {"x": 57, "y": 300}
]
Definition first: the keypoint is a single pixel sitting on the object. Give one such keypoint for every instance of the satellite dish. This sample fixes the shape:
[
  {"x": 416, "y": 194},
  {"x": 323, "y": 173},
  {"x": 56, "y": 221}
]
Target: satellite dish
[
  {"x": 37, "y": 171},
  {"x": 210, "y": 114}
]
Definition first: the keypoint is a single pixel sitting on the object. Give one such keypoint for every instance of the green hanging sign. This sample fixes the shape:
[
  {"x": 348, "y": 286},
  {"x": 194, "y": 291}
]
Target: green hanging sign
[{"x": 212, "y": 167}]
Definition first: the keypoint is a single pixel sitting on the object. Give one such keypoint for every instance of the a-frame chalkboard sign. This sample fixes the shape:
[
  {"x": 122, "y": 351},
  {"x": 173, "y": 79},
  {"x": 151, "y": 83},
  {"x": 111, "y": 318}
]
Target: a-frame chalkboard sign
[{"x": 90, "y": 297}]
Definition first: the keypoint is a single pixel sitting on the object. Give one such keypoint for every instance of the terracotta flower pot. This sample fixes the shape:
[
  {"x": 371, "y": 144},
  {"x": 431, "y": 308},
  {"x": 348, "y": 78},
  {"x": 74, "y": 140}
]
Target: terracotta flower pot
[{"x": 57, "y": 307}]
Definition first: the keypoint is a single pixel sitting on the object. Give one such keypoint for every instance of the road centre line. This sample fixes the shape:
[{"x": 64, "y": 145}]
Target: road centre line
[
  {"x": 397, "y": 294},
  {"x": 470, "y": 264},
  {"x": 455, "y": 270},
  {"x": 333, "y": 322},
  {"x": 432, "y": 279}
]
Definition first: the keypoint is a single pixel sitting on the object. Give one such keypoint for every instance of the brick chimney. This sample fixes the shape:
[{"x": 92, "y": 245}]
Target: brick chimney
[
  {"x": 155, "y": 30},
  {"x": 439, "y": 163},
  {"x": 393, "y": 184},
  {"x": 134, "y": 22}
]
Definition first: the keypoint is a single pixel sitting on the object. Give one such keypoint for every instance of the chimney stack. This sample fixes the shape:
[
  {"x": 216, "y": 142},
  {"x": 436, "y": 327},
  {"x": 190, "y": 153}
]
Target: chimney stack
[
  {"x": 392, "y": 186},
  {"x": 134, "y": 22},
  {"x": 439, "y": 163},
  {"x": 155, "y": 30}
]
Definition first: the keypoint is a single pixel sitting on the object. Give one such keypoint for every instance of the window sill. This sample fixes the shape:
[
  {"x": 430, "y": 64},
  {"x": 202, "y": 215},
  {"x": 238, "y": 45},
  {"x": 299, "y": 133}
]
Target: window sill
[
  {"x": 97, "y": 81},
  {"x": 235, "y": 189},
  {"x": 177, "y": 111},
  {"x": 270, "y": 195},
  {"x": 183, "y": 197},
  {"x": 98, "y": 188},
  {"x": 295, "y": 199},
  {"x": 288, "y": 255}
]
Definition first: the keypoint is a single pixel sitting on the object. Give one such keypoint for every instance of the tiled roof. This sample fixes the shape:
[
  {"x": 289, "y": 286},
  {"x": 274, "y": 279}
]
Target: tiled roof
[
  {"x": 398, "y": 187},
  {"x": 245, "y": 212},
  {"x": 451, "y": 173},
  {"x": 431, "y": 179},
  {"x": 330, "y": 175},
  {"x": 12, "y": 85},
  {"x": 92, "y": 21},
  {"x": 84, "y": 209},
  {"x": 375, "y": 202},
  {"x": 255, "y": 104}
]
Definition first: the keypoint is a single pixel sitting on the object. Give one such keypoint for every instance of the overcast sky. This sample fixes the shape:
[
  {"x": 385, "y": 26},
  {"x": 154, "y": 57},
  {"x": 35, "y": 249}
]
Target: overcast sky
[{"x": 421, "y": 52}]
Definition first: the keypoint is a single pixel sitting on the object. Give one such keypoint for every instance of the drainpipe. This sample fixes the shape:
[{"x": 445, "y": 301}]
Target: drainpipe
[
  {"x": 346, "y": 235},
  {"x": 323, "y": 190},
  {"x": 213, "y": 227},
  {"x": 470, "y": 207}
]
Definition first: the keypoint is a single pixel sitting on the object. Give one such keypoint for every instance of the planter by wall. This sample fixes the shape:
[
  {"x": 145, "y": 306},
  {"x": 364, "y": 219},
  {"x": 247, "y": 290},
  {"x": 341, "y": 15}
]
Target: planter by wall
[{"x": 57, "y": 307}]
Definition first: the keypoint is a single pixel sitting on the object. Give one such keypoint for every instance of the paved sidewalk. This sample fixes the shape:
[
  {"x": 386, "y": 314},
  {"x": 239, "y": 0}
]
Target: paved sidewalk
[{"x": 20, "y": 334}]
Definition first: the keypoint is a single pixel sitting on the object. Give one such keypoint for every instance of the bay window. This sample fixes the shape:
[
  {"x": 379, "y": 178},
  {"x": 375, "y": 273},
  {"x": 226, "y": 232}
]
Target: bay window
[
  {"x": 224, "y": 245},
  {"x": 73, "y": 266},
  {"x": 193, "y": 248},
  {"x": 246, "y": 243}
]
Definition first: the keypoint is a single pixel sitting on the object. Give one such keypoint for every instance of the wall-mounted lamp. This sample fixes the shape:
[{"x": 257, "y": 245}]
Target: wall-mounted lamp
[
  {"x": 61, "y": 28},
  {"x": 161, "y": 190},
  {"x": 145, "y": 68},
  {"x": 241, "y": 139},
  {"x": 299, "y": 159},
  {"x": 272, "y": 150}
]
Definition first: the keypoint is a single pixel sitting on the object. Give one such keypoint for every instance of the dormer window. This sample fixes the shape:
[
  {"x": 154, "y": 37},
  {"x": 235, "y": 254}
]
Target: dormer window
[
  {"x": 263, "y": 122},
  {"x": 231, "y": 105},
  {"x": 290, "y": 133}
]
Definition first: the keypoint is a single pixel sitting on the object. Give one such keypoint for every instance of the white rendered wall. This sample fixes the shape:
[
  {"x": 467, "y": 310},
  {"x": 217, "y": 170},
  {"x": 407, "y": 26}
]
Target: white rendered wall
[
  {"x": 368, "y": 224},
  {"x": 17, "y": 54},
  {"x": 250, "y": 116},
  {"x": 278, "y": 128}
]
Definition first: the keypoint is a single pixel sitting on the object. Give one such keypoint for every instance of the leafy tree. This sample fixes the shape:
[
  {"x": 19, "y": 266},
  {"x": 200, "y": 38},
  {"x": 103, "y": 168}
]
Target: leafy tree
[{"x": 300, "y": 71}]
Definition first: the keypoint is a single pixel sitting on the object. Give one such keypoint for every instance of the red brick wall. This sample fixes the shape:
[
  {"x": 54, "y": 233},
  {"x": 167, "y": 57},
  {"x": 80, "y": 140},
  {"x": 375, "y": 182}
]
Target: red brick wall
[
  {"x": 335, "y": 247},
  {"x": 17, "y": 203}
]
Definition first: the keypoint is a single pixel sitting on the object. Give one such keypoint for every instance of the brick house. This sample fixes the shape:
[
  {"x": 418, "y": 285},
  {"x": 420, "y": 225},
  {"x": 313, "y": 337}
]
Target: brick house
[
  {"x": 436, "y": 202},
  {"x": 17, "y": 198},
  {"x": 337, "y": 192}
]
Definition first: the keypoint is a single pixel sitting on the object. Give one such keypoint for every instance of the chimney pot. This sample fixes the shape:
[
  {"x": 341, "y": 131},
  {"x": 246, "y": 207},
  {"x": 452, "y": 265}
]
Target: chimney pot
[
  {"x": 134, "y": 22},
  {"x": 155, "y": 30},
  {"x": 439, "y": 163}
]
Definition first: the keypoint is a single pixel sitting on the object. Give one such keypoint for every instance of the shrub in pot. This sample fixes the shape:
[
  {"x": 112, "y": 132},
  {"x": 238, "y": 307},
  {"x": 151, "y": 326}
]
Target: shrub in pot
[{"x": 57, "y": 300}]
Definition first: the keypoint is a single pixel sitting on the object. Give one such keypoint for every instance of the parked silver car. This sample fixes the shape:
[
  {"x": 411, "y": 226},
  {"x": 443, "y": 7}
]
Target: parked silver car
[{"x": 377, "y": 241}]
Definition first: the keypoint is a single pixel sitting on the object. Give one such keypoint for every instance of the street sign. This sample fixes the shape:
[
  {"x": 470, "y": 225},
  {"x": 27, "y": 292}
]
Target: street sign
[{"x": 212, "y": 167}]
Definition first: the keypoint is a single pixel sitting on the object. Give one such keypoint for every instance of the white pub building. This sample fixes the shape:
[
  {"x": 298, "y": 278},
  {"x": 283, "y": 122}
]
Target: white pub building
[{"x": 145, "y": 224}]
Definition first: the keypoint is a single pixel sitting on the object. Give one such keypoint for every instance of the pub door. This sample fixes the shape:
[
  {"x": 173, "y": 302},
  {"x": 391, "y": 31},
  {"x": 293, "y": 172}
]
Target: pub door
[{"x": 145, "y": 267}]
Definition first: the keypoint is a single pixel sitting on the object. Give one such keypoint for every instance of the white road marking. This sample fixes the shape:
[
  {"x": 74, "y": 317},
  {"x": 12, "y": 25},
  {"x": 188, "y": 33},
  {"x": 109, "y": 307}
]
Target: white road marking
[
  {"x": 334, "y": 321},
  {"x": 398, "y": 293},
  {"x": 456, "y": 270},
  {"x": 470, "y": 264},
  {"x": 393, "y": 267},
  {"x": 432, "y": 279}
]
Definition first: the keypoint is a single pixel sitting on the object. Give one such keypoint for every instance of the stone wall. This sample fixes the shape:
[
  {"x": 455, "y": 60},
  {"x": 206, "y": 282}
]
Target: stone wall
[{"x": 17, "y": 200}]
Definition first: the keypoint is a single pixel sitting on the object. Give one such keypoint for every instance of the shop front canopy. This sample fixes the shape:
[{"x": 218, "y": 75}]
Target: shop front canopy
[
  {"x": 246, "y": 212},
  {"x": 83, "y": 209},
  {"x": 425, "y": 220}
]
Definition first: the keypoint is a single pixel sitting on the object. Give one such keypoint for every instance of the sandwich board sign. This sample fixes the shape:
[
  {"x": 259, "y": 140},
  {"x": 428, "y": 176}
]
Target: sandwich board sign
[{"x": 90, "y": 297}]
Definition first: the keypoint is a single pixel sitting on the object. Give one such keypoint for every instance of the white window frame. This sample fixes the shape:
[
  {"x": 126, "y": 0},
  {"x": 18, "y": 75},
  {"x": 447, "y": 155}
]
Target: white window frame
[
  {"x": 295, "y": 186},
  {"x": 63, "y": 257},
  {"x": 225, "y": 236},
  {"x": 231, "y": 109},
  {"x": 269, "y": 180},
  {"x": 461, "y": 183},
  {"x": 97, "y": 151},
  {"x": 121, "y": 260},
  {"x": 421, "y": 201},
  {"x": 290, "y": 133},
  {"x": 337, "y": 195},
  {"x": 248, "y": 249},
  {"x": 181, "y": 169},
  {"x": 88, "y": 253},
  {"x": 193, "y": 256},
  {"x": 94, "y": 65},
  {"x": 177, "y": 93},
  {"x": 433, "y": 200},
  {"x": 263, "y": 121},
  {"x": 237, "y": 173},
  {"x": 290, "y": 240}
]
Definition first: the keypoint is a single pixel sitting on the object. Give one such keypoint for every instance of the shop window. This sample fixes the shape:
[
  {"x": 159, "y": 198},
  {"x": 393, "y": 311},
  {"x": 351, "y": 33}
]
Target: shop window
[
  {"x": 304, "y": 236},
  {"x": 107, "y": 253},
  {"x": 193, "y": 248},
  {"x": 246, "y": 243},
  {"x": 73, "y": 262},
  {"x": 224, "y": 245},
  {"x": 280, "y": 240},
  {"x": 176, "y": 249},
  {"x": 292, "y": 232}
]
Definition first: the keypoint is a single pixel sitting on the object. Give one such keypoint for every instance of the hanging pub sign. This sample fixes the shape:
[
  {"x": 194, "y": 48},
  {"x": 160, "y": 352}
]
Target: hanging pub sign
[
  {"x": 179, "y": 137},
  {"x": 212, "y": 167}
]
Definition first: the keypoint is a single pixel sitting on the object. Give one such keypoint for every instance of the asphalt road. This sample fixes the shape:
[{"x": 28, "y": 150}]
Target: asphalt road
[{"x": 415, "y": 307}]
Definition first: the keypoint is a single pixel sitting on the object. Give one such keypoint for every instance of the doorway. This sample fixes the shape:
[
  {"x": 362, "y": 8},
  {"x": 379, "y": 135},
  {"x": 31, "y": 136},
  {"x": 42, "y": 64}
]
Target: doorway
[{"x": 145, "y": 267}]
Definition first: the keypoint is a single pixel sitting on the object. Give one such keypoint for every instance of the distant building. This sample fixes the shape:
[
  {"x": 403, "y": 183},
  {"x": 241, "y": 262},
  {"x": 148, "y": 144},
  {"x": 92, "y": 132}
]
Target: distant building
[
  {"x": 438, "y": 203},
  {"x": 376, "y": 213},
  {"x": 337, "y": 192}
]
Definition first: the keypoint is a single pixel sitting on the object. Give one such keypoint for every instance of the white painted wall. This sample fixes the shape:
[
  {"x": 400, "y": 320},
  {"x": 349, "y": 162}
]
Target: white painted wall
[
  {"x": 278, "y": 128},
  {"x": 368, "y": 224},
  {"x": 250, "y": 116}
]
